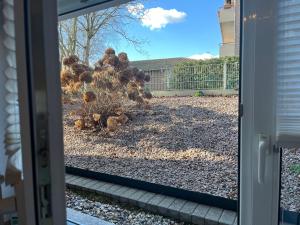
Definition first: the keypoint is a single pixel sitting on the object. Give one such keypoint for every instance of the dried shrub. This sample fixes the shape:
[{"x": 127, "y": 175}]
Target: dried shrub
[
  {"x": 147, "y": 78},
  {"x": 86, "y": 77},
  {"x": 112, "y": 123},
  {"x": 106, "y": 89},
  {"x": 68, "y": 61},
  {"x": 65, "y": 76},
  {"x": 72, "y": 87},
  {"x": 147, "y": 95},
  {"x": 122, "y": 119},
  {"x": 110, "y": 51},
  {"x": 79, "y": 124},
  {"x": 89, "y": 96},
  {"x": 123, "y": 60}
]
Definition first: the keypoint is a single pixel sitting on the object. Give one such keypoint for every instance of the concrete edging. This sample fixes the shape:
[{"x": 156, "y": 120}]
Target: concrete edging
[{"x": 182, "y": 210}]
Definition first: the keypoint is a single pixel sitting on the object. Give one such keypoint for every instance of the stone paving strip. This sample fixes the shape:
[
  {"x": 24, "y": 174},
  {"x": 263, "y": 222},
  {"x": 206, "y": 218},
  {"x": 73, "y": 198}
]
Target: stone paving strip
[
  {"x": 74, "y": 217},
  {"x": 182, "y": 210}
]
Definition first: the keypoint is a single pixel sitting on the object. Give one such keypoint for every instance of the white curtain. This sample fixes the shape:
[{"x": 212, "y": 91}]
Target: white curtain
[
  {"x": 288, "y": 73},
  {"x": 12, "y": 138}
]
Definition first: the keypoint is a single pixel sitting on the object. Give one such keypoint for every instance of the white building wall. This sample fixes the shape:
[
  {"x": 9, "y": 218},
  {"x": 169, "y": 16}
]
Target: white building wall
[
  {"x": 237, "y": 27},
  {"x": 229, "y": 18}
]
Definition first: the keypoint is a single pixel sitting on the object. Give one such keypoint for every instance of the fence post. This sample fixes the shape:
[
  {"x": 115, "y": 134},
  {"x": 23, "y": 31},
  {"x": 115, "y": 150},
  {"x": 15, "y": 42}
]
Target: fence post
[{"x": 225, "y": 75}]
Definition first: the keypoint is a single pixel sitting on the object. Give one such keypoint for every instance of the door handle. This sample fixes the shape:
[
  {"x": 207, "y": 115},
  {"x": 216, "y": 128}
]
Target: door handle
[{"x": 263, "y": 147}]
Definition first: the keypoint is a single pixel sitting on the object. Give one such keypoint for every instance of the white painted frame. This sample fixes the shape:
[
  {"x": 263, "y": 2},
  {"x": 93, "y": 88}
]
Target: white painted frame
[
  {"x": 259, "y": 201},
  {"x": 40, "y": 113},
  {"x": 71, "y": 8},
  {"x": 40, "y": 109}
]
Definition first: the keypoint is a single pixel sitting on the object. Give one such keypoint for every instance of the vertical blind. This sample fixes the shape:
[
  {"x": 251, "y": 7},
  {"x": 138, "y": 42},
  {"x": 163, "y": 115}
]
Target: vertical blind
[
  {"x": 288, "y": 73},
  {"x": 12, "y": 139}
]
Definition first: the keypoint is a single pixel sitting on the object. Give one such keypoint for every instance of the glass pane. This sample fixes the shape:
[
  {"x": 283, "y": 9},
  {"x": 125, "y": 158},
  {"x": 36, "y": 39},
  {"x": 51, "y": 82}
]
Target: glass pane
[
  {"x": 153, "y": 95},
  {"x": 11, "y": 169},
  {"x": 71, "y": 223},
  {"x": 290, "y": 186},
  {"x": 287, "y": 108}
]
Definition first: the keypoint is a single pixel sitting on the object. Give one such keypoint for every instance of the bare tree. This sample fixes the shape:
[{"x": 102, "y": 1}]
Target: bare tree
[
  {"x": 87, "y": 35},
  {"x": 67, "y": 31}
]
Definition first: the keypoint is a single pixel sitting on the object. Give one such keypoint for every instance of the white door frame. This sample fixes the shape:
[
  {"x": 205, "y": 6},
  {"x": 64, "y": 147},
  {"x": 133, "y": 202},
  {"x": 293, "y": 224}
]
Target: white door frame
[
  {"x": 259, "y": 161},
  {"x": 40, "y": 106},
  {"x": 40, "y": 113},
  {"x": 71, "y": 8},
  {"x": 40, "y": 100}
]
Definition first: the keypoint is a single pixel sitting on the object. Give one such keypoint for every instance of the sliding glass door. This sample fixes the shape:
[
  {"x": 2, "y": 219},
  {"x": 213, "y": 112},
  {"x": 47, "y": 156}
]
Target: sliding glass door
[
  {"x": 259, "y": 156},
  {"x": 270, "y": 112},
  {"x": 269, "y": 56}
]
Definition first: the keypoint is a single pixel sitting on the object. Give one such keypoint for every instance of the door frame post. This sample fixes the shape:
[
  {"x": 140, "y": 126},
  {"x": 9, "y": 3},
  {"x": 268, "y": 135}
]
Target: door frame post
[
  {"x": 40, "y": 111},
  {"x": 259, "y": 182}
]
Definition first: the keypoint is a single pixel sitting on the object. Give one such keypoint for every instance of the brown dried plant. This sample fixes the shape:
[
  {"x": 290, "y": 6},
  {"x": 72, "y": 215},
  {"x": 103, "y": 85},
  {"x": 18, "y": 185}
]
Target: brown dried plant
[{"x": 106, "y": 89}]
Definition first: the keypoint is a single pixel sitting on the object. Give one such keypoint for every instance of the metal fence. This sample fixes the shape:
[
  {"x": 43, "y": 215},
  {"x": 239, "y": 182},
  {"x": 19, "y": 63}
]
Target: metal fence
[{"x": 223, "y": 76}]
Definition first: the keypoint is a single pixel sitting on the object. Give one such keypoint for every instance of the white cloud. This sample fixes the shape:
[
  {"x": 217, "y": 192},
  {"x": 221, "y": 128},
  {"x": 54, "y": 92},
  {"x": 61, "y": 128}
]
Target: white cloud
[
  {"x": 203, "y": 56},
  {"x": 156, "y": 18}
]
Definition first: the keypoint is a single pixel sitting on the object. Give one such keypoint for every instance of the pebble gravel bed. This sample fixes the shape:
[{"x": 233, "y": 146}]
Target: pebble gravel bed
[
  {"x": 290, "y": 180},
  {"x": 184, "y": 142},
  {"x": 114, "y": 212}
]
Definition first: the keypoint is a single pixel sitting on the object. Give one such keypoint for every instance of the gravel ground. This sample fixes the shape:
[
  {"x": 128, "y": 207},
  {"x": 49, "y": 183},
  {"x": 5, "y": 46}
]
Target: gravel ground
[
  {"x": 290, "y": 180},
  {"x": 112, "y": 211},
  {"x": 184, "y": 142}
]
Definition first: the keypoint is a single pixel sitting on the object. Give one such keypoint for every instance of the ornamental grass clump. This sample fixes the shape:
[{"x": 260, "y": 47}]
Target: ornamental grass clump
[{"x": 105, "y": 90}]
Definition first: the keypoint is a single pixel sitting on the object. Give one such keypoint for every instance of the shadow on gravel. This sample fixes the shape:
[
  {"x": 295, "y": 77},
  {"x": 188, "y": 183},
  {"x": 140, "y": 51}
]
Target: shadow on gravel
[
  {"x": 204, "y": 143},
  {"x": 206, "y": 176},
  {"x": 178, "y": 129}
]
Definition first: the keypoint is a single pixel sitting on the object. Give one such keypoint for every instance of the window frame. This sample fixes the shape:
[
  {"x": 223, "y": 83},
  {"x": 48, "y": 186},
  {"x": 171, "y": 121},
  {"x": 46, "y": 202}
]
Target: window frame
[
  {"x": 39, "y": 81},
  {"x": 40, "y": 113},
  {"x": 259, "y": 179}
]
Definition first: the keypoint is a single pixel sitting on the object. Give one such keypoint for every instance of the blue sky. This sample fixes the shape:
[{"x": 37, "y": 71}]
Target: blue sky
[{"x": 178, "y": 28}]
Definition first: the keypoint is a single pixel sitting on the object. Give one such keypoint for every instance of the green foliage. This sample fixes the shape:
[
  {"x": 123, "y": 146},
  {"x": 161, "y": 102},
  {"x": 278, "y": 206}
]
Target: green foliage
[
  {"x": 205, "y": 74},
  {"x": 295, "y": 168},
  {"x": 228, "y": 59},
  {"x": 198, "y": 94}
]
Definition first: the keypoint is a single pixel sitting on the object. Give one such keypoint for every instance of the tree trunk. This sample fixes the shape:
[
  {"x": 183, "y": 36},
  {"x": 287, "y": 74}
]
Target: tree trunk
[
  {"x": 73, "y": 37},
  {"x": 87, "y": 50}
]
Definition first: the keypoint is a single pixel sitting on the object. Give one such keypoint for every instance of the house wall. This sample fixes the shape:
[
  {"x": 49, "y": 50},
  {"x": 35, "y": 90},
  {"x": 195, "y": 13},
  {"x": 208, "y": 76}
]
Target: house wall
[
  {"x": 229, "y": 19},
  {"x": 227, "y": 49},
  {"x": 237, "y": 27}
]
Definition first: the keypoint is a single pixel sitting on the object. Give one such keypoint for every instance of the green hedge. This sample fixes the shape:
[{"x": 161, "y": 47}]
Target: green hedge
[
  {"x": 205, "y": 74},
  {"x": 228, "y": 59}
]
